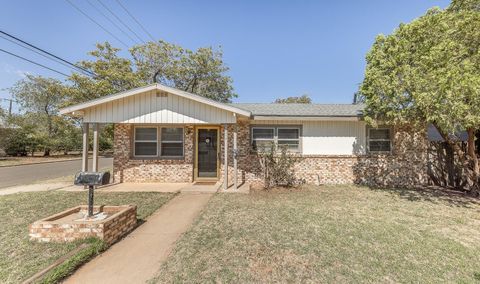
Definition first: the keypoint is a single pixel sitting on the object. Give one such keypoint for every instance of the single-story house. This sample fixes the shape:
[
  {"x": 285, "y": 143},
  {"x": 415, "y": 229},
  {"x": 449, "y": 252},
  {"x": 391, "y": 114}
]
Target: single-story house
[{"x": 162, "y": 134}]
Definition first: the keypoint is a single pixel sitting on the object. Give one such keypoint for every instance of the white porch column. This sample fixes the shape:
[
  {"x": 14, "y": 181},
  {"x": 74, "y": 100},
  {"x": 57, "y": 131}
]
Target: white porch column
[
  {"x": 95, "y": 147},
  {"x": 225, "y": 156},
  {"x": 235, "y": 154},
  {"x": 85, "y": 147}
]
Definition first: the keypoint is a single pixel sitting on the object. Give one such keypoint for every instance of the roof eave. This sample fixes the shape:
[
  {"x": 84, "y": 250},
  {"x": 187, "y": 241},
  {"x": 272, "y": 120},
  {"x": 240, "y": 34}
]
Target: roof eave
[
  {"x": 308, "y": 117},
  {"x": 79, "y": 107}
]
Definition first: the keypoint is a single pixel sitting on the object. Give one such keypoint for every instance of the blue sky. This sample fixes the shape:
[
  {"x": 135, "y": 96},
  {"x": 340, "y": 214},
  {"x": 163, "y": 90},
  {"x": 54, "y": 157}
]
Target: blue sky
[{"x": 273, "y": 48}]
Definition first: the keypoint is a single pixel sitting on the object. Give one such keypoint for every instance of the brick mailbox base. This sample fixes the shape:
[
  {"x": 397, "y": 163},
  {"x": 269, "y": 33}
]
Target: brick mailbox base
[{"x": 68, "y": 225}]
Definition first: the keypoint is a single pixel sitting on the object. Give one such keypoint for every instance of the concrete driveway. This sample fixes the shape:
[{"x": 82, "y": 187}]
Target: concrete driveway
[{"x": 26, "y": 174}]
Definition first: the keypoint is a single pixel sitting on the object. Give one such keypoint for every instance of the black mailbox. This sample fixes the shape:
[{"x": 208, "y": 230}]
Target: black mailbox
[{"x": 92, "y": 178}]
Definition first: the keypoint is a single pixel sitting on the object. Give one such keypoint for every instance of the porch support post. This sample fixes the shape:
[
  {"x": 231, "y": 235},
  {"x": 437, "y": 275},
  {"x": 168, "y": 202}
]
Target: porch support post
[
  {"x": 85, "y": 147},
  {"x": 235, "y": 154},
  {"x": 225, "y": 156},
  {"x": 95, "y": 147}
]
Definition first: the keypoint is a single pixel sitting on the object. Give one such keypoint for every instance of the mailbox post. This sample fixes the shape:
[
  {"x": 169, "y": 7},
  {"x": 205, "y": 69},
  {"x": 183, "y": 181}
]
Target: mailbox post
[{"x": 91, "y": 179}]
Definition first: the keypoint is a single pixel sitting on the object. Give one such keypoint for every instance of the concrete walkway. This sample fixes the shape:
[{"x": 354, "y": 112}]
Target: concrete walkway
[
  {"x": 35, "y": 187},
  {"x": 138, "y": 257}
]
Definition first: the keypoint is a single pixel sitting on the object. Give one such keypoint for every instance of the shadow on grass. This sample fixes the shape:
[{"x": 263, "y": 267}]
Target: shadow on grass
[{"x": 437, "y": 195}]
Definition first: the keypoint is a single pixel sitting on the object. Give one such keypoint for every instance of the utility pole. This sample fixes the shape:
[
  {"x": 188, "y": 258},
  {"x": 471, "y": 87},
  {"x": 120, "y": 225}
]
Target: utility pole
[{"x": 10, "y": 105}]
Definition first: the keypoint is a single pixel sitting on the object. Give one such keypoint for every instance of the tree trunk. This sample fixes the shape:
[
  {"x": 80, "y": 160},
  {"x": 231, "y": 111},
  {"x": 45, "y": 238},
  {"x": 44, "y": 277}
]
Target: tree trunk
[
  {"x": 472, "y": 154},
  {"x": 452, "y": 149}
]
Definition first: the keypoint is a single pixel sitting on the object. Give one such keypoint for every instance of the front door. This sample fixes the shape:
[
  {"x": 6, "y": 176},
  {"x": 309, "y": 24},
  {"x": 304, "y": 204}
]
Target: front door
[{"x": 207, "y": 153}]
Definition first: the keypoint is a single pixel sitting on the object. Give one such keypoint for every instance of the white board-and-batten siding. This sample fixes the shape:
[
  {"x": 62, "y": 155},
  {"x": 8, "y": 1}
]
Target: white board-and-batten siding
[
  {"x": 149, "y": 108},
  {"x": 328, "y": 137}
]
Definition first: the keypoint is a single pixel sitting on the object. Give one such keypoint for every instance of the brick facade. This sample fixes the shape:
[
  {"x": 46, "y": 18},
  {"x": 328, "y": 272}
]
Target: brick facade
[
  {"x": 129, "y": 169},
  {"x": 123, "y": 219},
  {"x": 405, "y": 167}
]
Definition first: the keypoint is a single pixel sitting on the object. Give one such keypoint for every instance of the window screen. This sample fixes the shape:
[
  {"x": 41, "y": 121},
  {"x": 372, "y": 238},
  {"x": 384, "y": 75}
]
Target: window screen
[
  {"x": 171, "y": 142},
  {"x": 379, "y": 140},
  {"x": 262, "y": 138},
  {"x": 145, "y": 141},
  {"x": 289, "y": 137}
]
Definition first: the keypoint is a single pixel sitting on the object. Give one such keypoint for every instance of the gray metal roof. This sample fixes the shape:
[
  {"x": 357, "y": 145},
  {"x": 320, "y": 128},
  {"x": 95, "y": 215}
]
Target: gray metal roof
[{"x": 302, "y": 110}]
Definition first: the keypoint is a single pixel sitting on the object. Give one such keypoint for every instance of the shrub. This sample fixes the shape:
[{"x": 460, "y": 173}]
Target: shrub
[{"x": 278, "y": 166}]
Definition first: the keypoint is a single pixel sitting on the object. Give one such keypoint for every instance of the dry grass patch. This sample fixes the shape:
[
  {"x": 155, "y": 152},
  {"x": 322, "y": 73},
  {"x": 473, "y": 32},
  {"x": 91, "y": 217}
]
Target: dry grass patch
[
  {"x": 20, "y": 258},
  {"x": 330, "y": 234}
]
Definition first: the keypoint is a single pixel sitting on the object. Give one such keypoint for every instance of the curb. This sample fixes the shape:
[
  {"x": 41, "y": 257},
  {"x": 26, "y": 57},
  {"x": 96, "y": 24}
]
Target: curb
[
  {"x": 37, "y": 163},
  {"x": 49, "y": 162}
]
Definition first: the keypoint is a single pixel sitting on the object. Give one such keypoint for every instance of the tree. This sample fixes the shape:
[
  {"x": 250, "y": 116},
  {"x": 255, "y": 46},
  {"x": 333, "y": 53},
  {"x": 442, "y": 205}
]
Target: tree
[
  {"x": 305, "y": 99},
  {"x": 202, "y": 72},
  {"x": 40, "y": 97},
  {"x": 113, "y": 74},
  {"x": 428, "y": 71},
  {"x": 464, "y": 5}
]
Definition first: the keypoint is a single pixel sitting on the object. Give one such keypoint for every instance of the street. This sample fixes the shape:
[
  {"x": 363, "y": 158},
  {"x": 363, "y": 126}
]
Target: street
[{"x": 18, "y": 175}]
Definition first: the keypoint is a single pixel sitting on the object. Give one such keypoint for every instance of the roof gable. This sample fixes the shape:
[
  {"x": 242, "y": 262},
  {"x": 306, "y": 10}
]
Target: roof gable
[{"x": 148, "y": 88}]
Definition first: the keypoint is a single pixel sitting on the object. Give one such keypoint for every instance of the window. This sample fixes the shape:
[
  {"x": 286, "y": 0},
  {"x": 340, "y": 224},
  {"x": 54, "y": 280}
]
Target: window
[
  {"x": 158, "y": 142},
  {"x": 171, "y": 142},
  {"x": 289, "y": 137},
  {"x": 379, "y": 140},
  {"x": 145, "y": 142},
  {"x": 262, "y": 137}
]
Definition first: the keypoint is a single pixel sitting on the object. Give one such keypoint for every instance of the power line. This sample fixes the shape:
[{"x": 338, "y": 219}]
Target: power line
[
  {"x": 143, "y": 28},
  {"x": 91, "y": 19},
  {"x": 49, "y": 58},
  {"x": 48, "y": 53},
  {"x": 33, "y": 62},
  {"x": 120, "y": 20},
  {"x": 112, "y": 22}
]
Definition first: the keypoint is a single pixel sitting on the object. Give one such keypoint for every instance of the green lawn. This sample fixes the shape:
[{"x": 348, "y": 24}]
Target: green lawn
[
  {"x": 20, "y": 258},
  {"x": 331, "y": 234}
]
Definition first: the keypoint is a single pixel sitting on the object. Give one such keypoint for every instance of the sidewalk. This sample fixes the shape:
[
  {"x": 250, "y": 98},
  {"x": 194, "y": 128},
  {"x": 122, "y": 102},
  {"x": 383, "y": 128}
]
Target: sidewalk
[
  {"x": 34, "y": 187},
  {"x": 138, "y": 257}
]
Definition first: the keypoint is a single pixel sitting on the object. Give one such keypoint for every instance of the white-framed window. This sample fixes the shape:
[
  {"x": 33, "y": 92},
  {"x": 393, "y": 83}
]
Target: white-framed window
[
  {"x": 379, "y": 140},
  {"x": 289, "y": 136},
  {"x": 145, "y": 142},
  {"x": 171, "y": 142},
  {"x": 263, "y": 136},
  {"x": 160, "y": 142}
]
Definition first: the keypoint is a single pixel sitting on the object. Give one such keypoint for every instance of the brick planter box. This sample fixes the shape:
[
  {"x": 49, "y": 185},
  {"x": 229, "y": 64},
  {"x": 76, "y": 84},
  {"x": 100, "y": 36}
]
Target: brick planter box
[{"x": 66, "y": 226}]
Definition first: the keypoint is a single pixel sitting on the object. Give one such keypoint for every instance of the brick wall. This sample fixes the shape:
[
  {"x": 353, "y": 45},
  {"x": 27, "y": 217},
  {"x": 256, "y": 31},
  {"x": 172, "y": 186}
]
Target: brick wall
[
  {"x": 52, "y": 229},
  {"x": 405, "y": 167},
  {"x": 128, "y": 169}
]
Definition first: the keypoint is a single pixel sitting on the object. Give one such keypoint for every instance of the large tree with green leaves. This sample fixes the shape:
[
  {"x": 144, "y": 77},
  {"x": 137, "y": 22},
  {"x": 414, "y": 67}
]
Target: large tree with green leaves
[
  {"x": 202, "y": 71},
  {"x": 112, "y": 74},
  {"x": 305, "y": 99},
  {"x": 39, "y": 98},
  {"x": 428, "y": 71}
]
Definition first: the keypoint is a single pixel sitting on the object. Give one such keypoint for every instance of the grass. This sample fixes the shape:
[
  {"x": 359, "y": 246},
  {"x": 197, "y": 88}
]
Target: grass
[
  {"x": 20, "y": 258},
  {"x": 94, "y": 246},
  {"x": 330, "y": 234}
]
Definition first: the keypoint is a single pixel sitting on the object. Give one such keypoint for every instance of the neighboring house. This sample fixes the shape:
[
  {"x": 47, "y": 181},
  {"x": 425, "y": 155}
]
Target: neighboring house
[{"x": 166, "y": 135}]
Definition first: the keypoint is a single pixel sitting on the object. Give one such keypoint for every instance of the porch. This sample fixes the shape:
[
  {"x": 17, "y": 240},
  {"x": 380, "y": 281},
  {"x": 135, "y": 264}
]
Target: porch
[{"x": 179, "y": 156}]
